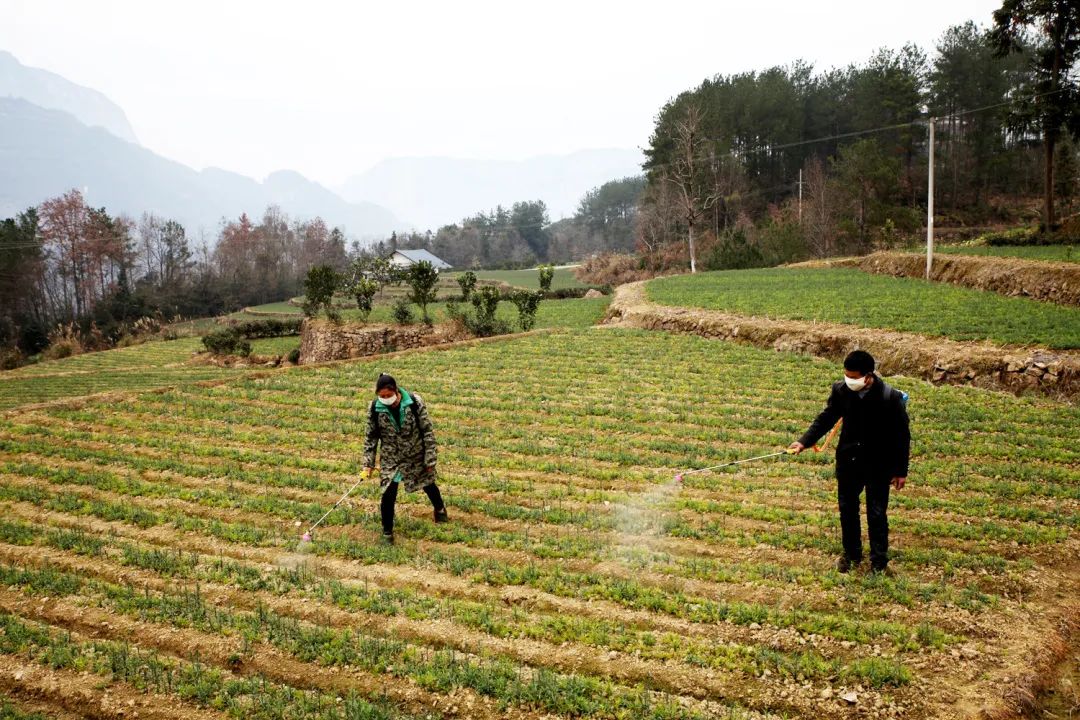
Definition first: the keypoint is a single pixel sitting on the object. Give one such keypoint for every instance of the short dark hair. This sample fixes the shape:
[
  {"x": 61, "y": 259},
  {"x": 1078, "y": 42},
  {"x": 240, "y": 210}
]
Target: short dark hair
[
  {"x": 385, "y": 381},
  {"x": 859, "y": 361}
]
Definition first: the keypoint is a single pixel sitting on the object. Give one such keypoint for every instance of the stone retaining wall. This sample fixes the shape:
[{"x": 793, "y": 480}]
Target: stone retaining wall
[{"x": 322, "y": 340}]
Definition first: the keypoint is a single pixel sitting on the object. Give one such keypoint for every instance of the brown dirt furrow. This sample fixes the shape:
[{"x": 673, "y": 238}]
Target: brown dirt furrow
[
  {"x": 66, "y": 694},
  {"x": 41, "y": 707},
  {"x": 191, "y": 509},
  {"x": 1035, "y": 637},
  {"x": 675, "y": 546},
  {"x": 432, "y": 582},
  {"x": 793, "y": 597},
  {"x": 671, "y": 677},
  {"x": 262, "y": 659},
  {"x": 940, "y": 360}
]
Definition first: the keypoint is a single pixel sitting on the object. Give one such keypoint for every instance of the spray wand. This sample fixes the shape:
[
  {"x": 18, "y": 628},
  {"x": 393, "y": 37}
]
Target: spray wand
[
  {"x": 679, "y": 477},
  {"x": 364, "y": 475},
  {"x": 789, "y": 451}
]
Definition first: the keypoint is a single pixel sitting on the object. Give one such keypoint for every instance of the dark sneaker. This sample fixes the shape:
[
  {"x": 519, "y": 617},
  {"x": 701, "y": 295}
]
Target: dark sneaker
[
  {"x": 441, "y": 516},
  {"x": 845, "y": 564},
  {"x": 388, "y": 538}
]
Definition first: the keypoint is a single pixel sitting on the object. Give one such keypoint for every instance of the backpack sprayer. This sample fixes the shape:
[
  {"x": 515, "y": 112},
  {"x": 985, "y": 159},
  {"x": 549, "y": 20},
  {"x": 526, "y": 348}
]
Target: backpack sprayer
[{"x": 817, "y": 448}]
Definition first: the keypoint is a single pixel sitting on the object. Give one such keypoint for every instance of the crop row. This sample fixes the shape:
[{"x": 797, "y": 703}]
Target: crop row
[
  {"x": 539, "y": 543},
  {"x": 191, "y": 567},
  {"x": 626, "y": 591}
]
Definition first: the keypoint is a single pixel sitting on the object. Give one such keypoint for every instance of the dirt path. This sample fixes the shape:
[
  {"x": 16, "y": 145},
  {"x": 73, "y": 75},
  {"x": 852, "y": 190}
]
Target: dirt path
[{"x": 939, "y": 360}]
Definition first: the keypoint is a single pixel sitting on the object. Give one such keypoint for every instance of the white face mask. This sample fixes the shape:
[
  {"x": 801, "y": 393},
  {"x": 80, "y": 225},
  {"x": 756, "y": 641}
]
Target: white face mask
[
  {"x": 387, "y": 402},
  {"x": 855, "y": 384}
]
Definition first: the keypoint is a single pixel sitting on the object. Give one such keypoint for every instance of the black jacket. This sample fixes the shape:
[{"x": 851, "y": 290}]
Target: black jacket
[{"x": 875, "y": 436}]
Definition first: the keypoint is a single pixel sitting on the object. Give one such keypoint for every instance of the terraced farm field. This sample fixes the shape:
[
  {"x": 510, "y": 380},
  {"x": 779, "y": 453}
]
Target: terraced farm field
[
  {"x": 851, "y": 296},
  {"x": 139, "y": 367},
  {"x": 1052, "y": 253},
  {"x": 149, "y": 559},
  {"x": 575, "y": 312}
]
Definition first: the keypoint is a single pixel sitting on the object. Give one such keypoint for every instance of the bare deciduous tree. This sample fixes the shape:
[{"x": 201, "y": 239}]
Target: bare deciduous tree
[
  {"x": 694, "y": 197},
  {"x": 819, "y": 215}
]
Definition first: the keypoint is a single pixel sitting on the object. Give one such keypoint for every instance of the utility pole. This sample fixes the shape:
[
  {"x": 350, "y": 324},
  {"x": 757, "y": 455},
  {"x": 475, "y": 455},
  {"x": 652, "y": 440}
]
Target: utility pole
[
  {"x": 930, "y": 205},
  {"x": 800, "y": 196}
]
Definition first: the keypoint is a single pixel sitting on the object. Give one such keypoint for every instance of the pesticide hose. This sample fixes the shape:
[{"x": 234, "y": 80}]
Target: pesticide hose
[{"x": 680, "y": 476}]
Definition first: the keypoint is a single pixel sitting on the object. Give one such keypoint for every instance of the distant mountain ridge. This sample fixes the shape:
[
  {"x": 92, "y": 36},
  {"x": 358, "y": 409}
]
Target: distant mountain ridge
[
  {"x": 53, "y": 92},
  {"x": 435, "y": 191},
  {"x": 56, "y": 135},
  {"x": 44, "y": 153}
]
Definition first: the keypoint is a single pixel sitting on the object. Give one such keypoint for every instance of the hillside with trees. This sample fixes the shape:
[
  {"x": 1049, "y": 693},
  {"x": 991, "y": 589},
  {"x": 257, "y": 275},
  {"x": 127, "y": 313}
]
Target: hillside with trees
[
  {"x": 790, "y": 162},
  {"x": 523, "y": 235}
]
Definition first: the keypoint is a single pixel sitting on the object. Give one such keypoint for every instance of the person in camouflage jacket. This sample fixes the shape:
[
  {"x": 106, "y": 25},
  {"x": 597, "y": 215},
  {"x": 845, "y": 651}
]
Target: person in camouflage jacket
[{"x": 400, "y": 430}]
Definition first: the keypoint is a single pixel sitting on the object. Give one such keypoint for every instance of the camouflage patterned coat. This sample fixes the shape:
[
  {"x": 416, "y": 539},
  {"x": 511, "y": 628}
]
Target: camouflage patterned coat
[{"x": 407, "y": 451}]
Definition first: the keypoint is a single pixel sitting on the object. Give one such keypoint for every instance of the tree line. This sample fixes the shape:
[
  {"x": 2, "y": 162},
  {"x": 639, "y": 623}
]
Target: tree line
[
  {"x": 67, "y": 267},
  {"x": 725, "y": 159},
  {"x": 523, "y": 235}
]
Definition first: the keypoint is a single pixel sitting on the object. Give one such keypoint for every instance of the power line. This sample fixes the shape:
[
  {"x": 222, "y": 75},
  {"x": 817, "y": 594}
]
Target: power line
[{"x": 858, "y": 133}]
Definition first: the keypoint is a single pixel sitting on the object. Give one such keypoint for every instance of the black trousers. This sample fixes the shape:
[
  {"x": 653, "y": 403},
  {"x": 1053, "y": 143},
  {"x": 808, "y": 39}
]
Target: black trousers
[
  {"x": 851, "y": 480},
  {"x": 389, "y": 497}
]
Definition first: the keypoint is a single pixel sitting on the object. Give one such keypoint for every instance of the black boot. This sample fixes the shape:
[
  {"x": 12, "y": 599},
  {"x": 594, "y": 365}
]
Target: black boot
[
  {"x": 437, "y": 504},
  {"x": 386, "y": 510},
  {"x": 845, "y": 564}
]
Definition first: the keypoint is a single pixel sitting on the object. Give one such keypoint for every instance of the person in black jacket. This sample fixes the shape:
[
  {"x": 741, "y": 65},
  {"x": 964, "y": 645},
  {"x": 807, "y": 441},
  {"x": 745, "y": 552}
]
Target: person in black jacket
[{"x": 873, "y": 453}]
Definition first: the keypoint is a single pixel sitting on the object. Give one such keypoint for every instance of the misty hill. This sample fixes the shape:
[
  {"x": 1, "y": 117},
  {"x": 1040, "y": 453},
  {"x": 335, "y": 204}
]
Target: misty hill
[
  {"x": 51, "y": 91},
  {"x": 434, "y": 191},
  {"x": 44, "y": 153}
]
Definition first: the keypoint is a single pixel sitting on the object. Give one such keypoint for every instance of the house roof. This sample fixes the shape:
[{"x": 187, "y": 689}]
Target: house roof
[{"x": 419, "y": 255}]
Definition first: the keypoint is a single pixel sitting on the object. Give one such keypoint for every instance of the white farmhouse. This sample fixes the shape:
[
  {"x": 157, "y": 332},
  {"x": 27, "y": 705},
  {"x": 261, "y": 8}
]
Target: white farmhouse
[{"x": 405, "y": 258}]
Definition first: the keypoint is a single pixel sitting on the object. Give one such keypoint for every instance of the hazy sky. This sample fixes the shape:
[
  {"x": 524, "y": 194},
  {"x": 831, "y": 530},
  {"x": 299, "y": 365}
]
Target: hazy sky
[{"x": 330, "y": 88}]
